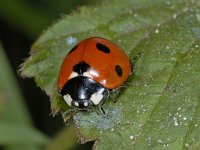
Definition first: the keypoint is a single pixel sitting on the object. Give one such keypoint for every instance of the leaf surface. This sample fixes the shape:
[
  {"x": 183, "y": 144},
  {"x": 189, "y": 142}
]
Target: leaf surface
[{"x": 159, "y": 106}]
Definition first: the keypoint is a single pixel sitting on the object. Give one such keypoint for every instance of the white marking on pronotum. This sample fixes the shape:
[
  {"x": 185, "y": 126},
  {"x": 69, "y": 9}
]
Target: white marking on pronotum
[
  {"x": 96, "y": 98},
  {"x": 68, "y": 99},
  {"x": 73, "y": 74},
  {"x": 85, "y": 104},
  {"x": 87, "y": 74},
  {"x": 76, "y": 104}
]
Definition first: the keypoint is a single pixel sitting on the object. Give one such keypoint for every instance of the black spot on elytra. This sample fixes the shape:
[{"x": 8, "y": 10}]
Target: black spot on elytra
[
  {"x": 81, "y": 67},
  {"x": 73, "y": 49},
  {"x": 103, "y": 48},
  {"x": 118, "y": 70}
]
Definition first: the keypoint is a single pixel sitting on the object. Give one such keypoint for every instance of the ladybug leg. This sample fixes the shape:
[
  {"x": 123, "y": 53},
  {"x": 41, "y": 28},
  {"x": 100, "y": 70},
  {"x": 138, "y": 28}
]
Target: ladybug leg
[
  {"x": 115, "y": 94},
  {"x": 137, "y": 57},
  {"x": 134, "y": 60},
  {"x": 67, "y": 115},
  {"x": 100, "y": 109}
]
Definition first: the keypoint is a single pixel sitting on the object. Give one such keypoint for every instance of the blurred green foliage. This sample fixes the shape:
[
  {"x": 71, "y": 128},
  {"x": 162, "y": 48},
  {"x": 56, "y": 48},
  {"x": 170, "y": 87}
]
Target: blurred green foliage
[
  {"x": 15, "y": 122},
  {"x": 21, "y": 21},
  {"x": 31, "y": 17}
]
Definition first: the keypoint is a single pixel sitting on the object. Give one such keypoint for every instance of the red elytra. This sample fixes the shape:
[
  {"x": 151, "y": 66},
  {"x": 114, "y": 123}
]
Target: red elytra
[{"x": 109, "y": 65}]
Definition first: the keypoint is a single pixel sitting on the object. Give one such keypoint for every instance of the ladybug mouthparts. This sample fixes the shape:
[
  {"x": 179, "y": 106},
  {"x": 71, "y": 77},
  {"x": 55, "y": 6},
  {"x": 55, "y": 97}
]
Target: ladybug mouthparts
[{"x": 83, "y": 92}]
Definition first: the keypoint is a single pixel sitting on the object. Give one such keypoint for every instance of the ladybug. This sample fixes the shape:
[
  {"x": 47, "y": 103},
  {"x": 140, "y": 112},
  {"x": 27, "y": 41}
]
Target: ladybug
[{"x": 90, "y": 71}]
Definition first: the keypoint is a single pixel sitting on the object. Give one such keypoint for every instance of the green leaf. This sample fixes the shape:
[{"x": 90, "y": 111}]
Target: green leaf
[
  {"x": 11, "y": 105},
  {"x": 159, "y": 106},
  {"x": 64, "y": 140},
  {"x": 31, "y": 17},
  {"x": 21, "y": 15},
  {"x": 15, "y": 124},
  {"x": 19, "y": 134}
]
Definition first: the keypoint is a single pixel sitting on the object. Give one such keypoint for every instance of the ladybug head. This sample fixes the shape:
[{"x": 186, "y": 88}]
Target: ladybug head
[{"x": 83, "y": 92}]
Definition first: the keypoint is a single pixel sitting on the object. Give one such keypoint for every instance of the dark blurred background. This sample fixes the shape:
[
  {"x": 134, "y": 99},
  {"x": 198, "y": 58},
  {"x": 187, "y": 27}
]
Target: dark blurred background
[{"x": 21, "y": 23}]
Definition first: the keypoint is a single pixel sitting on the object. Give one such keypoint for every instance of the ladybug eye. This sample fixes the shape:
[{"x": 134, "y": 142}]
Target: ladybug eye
[
  {"x": 103, "y": 48},
  {"x": 118, "y": 70}
]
